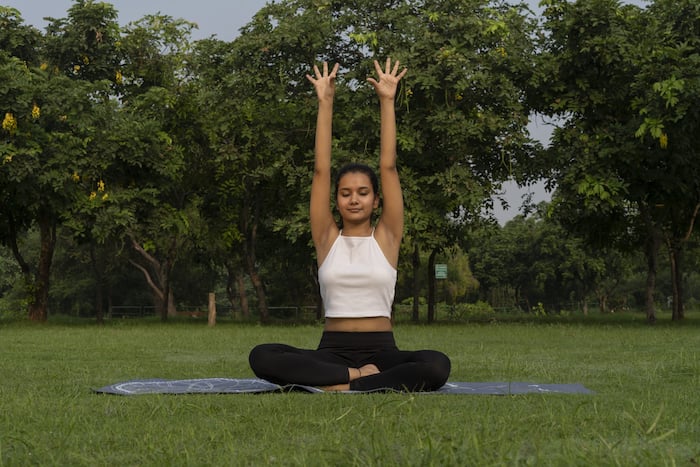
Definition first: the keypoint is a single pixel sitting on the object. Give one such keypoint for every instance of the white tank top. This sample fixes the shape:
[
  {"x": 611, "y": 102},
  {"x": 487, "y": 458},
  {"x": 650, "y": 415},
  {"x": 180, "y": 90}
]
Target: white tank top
[{"x": 356, "y": 279}]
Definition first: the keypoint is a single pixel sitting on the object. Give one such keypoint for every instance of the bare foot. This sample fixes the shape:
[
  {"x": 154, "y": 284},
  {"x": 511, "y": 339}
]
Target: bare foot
[
  {"x": 368, "y": 370},
  {"x": 353, "y": 373}
]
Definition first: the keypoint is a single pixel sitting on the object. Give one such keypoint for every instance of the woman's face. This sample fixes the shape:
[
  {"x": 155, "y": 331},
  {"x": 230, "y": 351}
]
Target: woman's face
[{"x": 356, "y": 198}]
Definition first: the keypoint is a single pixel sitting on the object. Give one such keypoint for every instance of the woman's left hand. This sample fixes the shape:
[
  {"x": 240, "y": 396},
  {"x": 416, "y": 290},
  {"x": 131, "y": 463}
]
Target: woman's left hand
[{"x": 388, "y": 79}]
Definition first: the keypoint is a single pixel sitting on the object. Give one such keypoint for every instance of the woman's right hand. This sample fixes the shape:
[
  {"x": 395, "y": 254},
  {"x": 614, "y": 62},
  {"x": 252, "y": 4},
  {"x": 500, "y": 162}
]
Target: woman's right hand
[{"x": 324, "y": 82}]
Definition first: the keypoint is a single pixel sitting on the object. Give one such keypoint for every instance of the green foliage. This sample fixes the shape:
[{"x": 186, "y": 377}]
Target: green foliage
[
  {"x": 546, "y": 266},
  {"x": 479, "y": 312},
  {"x": 460, "y": 282},
  {"x": 624, "y": 80},
  {"x": 12, "y": 301},
  {"x": 84, "y": 45},
  {"x": 17, "y": 39},
  {"x": 254, "y": 142},
  {"x": 199, "y": 154}
]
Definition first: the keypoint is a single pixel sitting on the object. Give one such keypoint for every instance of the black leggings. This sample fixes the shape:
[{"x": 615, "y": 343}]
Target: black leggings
[{"x": 402, "y": 370}]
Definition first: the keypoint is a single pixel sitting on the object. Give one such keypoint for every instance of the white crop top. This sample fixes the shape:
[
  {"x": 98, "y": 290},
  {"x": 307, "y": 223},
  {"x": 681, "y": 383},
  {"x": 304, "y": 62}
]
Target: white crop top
[{"x": 356, "y": 279}]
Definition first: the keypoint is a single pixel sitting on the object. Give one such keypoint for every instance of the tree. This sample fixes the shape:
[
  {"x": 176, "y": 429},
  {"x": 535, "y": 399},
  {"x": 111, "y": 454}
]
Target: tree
[
  {"x": 620, "y": 77},
  {"x": 259, "y": 138},
  {"x": 543, "y": 263},
  {"x": 16, "y": 38},
  {"x": 156, "y": 90},
  {"x": 667, "y": 94},
  {"x": 509, "y": 258},
  {"x": 93, "y": 144},
  {"x": 460, "y": 280},
  {"x": 49, "y": 125}
]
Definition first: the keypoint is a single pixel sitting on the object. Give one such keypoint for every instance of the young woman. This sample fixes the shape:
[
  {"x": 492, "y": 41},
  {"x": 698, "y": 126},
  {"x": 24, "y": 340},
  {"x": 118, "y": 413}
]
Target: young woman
[{"x": 357, "y": 267}]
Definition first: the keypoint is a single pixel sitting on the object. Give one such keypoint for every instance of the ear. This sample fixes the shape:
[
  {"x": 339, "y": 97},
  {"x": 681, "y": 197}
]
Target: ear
[{"x": 376, "y": 202}]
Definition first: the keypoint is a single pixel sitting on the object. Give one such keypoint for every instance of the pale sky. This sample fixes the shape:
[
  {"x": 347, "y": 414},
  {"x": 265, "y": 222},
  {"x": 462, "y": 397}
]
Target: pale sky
[
  {"x": 224, "y": 18},
  {"x": 220, "y": 17}
]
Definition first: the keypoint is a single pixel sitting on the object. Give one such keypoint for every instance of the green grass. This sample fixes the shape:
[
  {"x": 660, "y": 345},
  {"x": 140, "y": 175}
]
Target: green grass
[{"x": 646, "y": 410}]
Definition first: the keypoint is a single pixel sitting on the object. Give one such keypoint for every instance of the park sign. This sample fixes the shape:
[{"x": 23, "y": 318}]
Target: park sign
[{"x": 440, "y": 271}]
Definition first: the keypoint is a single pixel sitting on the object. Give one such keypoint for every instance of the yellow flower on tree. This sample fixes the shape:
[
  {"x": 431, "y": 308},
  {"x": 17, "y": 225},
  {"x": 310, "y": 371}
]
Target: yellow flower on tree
[
  {"x": 75, "y": 177},
  {"x": 118, "y": 78},
  {"x": 93, "y": 195},
  {"x": 100, "y": 186},
  {"x": 9, "y": 123},
  {"x": 43, "y": 66},
  {"x": 36, "y": 112},
  {"x": 663, "y": 140},
  {"x": 104, "y": 197}
]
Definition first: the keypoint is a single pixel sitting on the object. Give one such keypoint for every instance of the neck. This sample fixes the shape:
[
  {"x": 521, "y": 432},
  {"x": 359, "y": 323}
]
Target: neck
[{"x": 357, "y": 230}]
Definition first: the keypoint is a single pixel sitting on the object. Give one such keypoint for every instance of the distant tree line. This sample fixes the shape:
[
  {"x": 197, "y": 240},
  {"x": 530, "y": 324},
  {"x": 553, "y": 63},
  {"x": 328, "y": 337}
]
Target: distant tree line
[{"x": 138, "y": 165}]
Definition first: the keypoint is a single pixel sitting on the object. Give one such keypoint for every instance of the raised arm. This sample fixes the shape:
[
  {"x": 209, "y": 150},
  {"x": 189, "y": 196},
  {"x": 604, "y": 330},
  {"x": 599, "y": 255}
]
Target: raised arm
[
  {"x": 323, "y": 227},
  {"x": 389, "y": 229}
]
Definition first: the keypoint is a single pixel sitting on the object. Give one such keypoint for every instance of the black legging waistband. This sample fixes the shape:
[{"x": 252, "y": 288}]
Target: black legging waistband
[{"x": 357, "y": 341}]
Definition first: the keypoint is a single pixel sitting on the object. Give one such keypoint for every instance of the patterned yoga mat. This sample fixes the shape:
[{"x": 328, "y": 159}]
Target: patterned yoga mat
[{"x": 247, "y": 386}]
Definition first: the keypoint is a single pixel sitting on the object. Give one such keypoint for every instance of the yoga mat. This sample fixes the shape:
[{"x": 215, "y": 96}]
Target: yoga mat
[{"x": 248, "y": 386}]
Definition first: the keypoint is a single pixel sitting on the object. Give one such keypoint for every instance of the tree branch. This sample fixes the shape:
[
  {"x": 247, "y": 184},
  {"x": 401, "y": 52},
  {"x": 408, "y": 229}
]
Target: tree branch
[
  {"x": 692, "y": 223},
  {"x": 148, "y": 257},
  {"x": 149, "y": 280}
]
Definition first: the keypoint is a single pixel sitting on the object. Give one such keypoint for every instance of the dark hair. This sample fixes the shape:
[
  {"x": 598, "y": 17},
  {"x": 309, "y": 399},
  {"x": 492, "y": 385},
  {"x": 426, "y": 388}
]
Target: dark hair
[{"x": 355, "y": 167}]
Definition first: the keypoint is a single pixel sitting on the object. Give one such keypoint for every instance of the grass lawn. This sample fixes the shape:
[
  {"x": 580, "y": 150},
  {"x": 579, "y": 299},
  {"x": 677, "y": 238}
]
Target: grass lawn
[{"x": 646, "y": 410}]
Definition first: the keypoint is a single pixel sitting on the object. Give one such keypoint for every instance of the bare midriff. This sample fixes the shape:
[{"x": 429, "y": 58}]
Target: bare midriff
[{"x": 375, "y": 324}]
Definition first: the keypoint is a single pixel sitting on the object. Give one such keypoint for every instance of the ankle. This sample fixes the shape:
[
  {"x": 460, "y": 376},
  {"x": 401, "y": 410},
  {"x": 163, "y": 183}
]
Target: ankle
[{"x": 354, "y": 373}]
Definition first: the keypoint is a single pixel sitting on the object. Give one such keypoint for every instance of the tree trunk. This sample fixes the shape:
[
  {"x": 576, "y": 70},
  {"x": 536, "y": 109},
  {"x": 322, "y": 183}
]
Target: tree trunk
[
  {"x": 242, "y": 295},
  {"x": 159, "y": 303},
  {"x": 38, "y": 309},
  {"x": 431, "y": 286},
  {"x": 157, "y": 277},
  {"x": 23, "y": 265},
  {"x": 236, "y": 290},
  {"x": 652, "y": 252},
  {"x": 249, "y": 253},
  {"x": 171, "y": 308},
  {"x": 415, "y": 284},
  {"x": 676, "y": 255},
  {"x": 250, "y": 228},
  {"x": 259, "y": 289}
]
